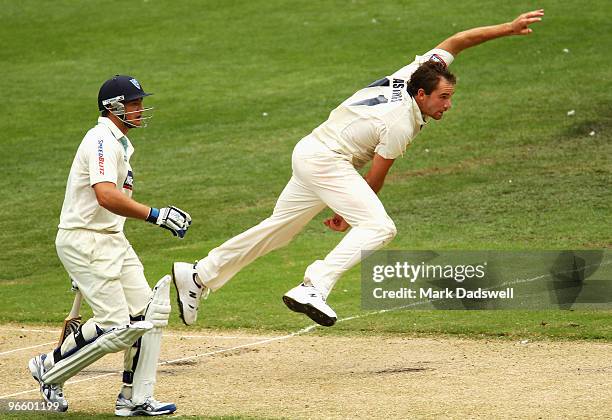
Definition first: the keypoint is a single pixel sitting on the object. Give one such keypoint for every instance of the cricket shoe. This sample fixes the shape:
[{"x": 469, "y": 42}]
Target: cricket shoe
[
  {"x": 51, "y": 393},
  {"x": 189, "y": 291},
  {"x": 309, "y": 301},
  {"x": 124, "y": 407}
]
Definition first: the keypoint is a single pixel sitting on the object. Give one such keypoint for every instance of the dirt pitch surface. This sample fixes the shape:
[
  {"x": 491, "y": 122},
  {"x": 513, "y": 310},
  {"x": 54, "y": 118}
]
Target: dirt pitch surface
[{"x": 303, "y": 375}]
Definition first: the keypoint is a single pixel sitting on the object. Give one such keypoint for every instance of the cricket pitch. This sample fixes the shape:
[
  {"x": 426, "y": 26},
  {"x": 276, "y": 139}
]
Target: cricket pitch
[{"x": 237, "y": 373}]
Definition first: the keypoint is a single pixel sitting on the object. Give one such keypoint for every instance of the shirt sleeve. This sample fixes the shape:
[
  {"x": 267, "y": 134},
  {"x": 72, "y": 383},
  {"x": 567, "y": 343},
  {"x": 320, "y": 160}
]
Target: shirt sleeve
[
  {"x": 393, "y": 142},
  {"x": 436, "y": 54},
  {"x": 102, "y": 161}
]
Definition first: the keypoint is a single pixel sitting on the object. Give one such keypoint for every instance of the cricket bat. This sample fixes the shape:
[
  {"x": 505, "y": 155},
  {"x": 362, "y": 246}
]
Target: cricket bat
[{"x": 73, "y": 320}]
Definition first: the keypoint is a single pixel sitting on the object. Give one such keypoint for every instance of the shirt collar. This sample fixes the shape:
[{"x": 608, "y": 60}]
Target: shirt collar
[
  {"x": 418, "y": 116},
  {"x": 117, "y": 134},
  {"x": 107, "y": 122}
]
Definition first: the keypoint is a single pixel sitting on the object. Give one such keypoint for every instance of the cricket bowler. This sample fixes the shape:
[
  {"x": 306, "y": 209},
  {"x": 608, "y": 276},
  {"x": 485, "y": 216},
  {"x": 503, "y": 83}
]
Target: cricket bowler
[
  {"x": 127, "y": 315},
  {"x": 374, "y": 125}
]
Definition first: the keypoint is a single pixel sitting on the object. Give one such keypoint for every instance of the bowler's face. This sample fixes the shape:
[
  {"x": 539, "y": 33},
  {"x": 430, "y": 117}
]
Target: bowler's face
[{"x": 438, "y": 102}]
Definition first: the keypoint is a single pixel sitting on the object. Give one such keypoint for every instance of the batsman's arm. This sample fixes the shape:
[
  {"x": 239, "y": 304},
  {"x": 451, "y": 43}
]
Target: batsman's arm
[
  {"x": 113, "y": 200},
  {"x": 472, "y": 37},
  {"x": 172, "y": 218}
]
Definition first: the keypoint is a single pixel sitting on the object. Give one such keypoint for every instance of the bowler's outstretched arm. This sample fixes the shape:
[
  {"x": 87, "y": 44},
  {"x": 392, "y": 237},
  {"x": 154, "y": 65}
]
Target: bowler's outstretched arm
[{"x": 472, "y": 37}]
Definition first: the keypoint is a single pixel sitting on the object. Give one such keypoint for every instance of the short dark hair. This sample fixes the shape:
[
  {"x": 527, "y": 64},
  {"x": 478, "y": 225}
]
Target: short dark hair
[{"x": 427, "y": 77}]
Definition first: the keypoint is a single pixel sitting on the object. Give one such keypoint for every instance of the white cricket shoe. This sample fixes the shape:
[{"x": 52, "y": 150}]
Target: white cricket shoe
[
  {"x": 124, "y": 407},
  {"x": 188, "y": 291},
  {"x": 51, "y": 393},
  {"x": 309, "y": 301}
]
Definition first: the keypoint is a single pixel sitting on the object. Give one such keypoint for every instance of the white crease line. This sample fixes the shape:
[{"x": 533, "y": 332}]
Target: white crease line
[
  {"x": 25, "y": 348},
  {"x": 168, "y": 362},
  {"x": 18, "y": 393},
  {"x": 226, "y": 337},
  {"x": 31, "y": 330},
  {"x": 221, "y": 337},
  {"x": 267, "y": 340}
]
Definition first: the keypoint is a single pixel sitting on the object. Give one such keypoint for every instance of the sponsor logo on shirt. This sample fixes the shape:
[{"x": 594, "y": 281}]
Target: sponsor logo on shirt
[
  {"x": 128, "y": 184},
  {"x": 101, "y": 156},
  {"x": 397, "y": 86}
]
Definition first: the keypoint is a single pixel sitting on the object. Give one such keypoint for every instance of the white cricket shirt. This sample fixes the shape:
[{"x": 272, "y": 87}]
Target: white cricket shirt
[
  {"x": 103, "y": 156},
  {"x": 382, "y": 118}
]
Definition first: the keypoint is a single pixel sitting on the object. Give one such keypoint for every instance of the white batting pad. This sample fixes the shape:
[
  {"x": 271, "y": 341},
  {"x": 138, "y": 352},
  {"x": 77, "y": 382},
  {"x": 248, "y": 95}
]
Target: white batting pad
[
  {"x": 111, "y": 341},
  {"x": 157, "y": 313}
]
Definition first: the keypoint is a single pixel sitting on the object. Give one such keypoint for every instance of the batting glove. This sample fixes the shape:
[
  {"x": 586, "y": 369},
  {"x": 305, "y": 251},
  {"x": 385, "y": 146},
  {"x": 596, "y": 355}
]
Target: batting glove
[{"x": 172, "y": 218}]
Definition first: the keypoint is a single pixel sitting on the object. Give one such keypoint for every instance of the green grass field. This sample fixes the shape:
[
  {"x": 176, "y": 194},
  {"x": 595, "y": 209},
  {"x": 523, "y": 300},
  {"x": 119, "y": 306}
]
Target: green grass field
[{"x": 217, "y": 67}]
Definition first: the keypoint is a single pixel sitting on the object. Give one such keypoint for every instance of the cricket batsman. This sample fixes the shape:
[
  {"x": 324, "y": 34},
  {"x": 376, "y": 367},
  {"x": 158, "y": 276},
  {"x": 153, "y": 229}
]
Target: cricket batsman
[
  {"x": 374, "y": 125},
  {"x": 127, "y": 315}
]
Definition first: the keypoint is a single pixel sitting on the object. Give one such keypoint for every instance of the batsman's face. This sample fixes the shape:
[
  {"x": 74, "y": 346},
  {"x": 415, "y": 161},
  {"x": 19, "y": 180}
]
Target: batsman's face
[
  {"x": 133, "y": 112},
  {"x": 438, "y": 101}
]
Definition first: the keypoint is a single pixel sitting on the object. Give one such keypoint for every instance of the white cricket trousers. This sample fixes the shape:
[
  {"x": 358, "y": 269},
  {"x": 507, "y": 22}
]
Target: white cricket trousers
[
  {"x": 321, "y": 178},
  {"x": 108, "y": 273}
]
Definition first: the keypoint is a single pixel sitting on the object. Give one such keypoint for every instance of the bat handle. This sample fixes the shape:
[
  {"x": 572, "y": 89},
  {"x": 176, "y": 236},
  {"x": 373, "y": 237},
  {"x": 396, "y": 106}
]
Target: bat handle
[
  {"x": 76, "y": 305},
  {"x": 73, "y": 320}
]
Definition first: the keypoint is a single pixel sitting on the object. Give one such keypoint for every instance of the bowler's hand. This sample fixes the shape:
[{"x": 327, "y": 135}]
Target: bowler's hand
[
  {"x": 520, "y": 25},
  {"x": 337, "y": 223}
]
